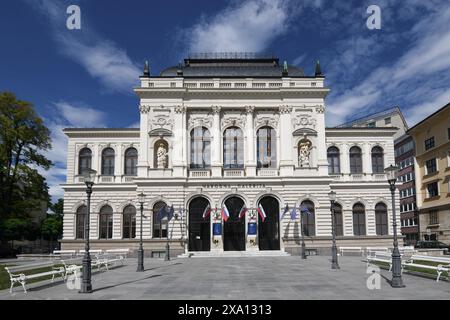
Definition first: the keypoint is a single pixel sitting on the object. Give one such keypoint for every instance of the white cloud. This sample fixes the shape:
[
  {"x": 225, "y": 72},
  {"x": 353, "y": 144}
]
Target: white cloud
[
  {"x": 80, "y": 116},
  {"x": 101, "y": 58},
  {"x": 247, "y": 27}
]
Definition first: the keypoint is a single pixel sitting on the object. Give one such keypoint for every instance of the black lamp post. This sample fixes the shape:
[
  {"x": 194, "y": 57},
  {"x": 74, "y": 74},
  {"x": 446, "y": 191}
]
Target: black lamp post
[
  {"x": 86, "y": 285},
  {"x": 140, "y": 266},
  {"x": 334, "y": 257},
  {"x": 167, "y": 255},
  {"x": 397, "y": 282},
  {"x": 303, "y": 235}
]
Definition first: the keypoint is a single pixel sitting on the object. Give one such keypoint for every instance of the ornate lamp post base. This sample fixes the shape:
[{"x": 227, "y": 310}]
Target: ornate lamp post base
[
  {"x": 140, "y": 266},
  {"x": 167, "y": 255}
]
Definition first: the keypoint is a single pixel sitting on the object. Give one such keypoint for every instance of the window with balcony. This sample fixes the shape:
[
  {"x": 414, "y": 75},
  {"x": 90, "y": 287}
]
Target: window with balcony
[
  {"x": 429, "y": 143},
  {"x": 108, "y": 156},
  {"x": 84, "y": 160},
  {"x": 377, "y": 160},
  {"x": 355, "y": 160},
  {"x": 431, "y": 166},
  {"x": 200, "y": 148},
  {"x": 333, "y": 157},
  {"x": 131, "y": 159},
  {"x": 233, "y": 148},
  {"x": 266, "y": 147}
]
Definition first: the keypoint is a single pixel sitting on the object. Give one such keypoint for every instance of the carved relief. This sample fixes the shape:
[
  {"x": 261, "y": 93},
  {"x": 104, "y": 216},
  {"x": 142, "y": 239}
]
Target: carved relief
[
  {"x": 216, "y": 109},
  {"x": 304, "y": 151},
  {"x": 233, "y": 121},
  {"x": 303, "y": 120},
  {"x": 180, "y": 109},
  {"x": 267, "y": 120},
  {"x": 249, "y": 109},
  {"x": 285, "y": 109},
  {"x": 199, "y": 120},
  {"x": 144, "y": 108},
  {"x": 320, "y": 108}
]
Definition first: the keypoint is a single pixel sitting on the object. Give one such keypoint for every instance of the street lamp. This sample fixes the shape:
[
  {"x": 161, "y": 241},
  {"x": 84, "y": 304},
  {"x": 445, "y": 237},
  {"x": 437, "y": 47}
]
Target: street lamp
[
  {"x": 303, "y": 234},
  {"x": 167, "y": 255},
  {"x": 86, "y": 285},
  {"x": 140, "y": 266},
  {"x": 334, "y": 258},
  {"x": 397, "y": 282}
]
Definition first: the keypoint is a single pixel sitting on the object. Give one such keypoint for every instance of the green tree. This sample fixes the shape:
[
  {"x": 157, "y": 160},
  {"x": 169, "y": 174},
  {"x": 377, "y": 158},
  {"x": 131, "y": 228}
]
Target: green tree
[
  {"x": 58, "y": 207},
  {"x": 15, "y": 229},
  {"x": 24, "y": 138},
  {"x": 51, "y": 228}
]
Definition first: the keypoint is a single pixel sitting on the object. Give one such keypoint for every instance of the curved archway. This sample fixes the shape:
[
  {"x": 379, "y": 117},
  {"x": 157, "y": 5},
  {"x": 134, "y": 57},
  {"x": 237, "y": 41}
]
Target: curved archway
[
  {"x": 234, "y": 226},
  {"x": 199, "y": 227},
  {"x": 269, "y": 230}
]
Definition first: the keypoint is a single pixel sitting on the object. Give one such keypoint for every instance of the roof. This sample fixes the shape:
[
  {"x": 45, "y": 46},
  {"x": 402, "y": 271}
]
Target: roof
[
  {"x": 429, "y": 117},
  {"x": 231, "y": 65},
  {"x": 375, "y": 116}
]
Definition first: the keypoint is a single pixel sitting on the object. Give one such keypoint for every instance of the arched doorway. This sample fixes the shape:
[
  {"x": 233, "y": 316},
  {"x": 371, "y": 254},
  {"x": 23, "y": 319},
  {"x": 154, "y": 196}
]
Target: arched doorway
[
  {"x": 199, "y": 228},
  {"x": 234, "y": 228},
  {"x": 269, "y": 230}
]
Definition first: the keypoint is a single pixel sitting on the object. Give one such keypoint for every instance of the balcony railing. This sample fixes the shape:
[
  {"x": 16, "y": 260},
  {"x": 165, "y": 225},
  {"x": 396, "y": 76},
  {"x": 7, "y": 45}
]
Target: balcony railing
[
  {"x": 199, "y": 173},
  {"x": 234, "y": 173},
  {"x": 267, "y": 172}
]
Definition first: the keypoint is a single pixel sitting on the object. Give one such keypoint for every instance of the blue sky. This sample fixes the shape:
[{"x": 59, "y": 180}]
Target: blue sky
[{"x": 84, "y": 78}]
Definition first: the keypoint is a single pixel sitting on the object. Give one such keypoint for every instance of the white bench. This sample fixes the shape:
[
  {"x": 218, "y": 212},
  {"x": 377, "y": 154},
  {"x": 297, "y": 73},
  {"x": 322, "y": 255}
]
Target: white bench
[
  {"x": 107, "y": 259},
  {"x": 381, "y": 256},
  {"x": 120, "y": 252},
  {"x": 358, "y": 250},
  {"x": 62, "y": 253},
  {"x": 16, "y": 274},
  {"x": 92, "y": 251},
  {"x": 72, "y": 266},
  {"x": 376, "y": 249},
  {"x": 443, "y": 264}
]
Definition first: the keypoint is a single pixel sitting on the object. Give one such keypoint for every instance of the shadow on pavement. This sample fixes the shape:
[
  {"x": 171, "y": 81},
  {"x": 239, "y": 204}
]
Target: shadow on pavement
[{"x": 128, "y": 282}]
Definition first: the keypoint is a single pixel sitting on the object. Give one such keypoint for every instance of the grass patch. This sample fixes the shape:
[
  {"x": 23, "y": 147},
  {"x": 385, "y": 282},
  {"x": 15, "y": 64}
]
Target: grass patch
[{"x": 5, "y": 282}]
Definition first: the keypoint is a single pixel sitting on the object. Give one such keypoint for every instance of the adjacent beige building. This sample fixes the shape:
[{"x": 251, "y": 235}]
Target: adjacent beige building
[{"x": 432, "y": 170}]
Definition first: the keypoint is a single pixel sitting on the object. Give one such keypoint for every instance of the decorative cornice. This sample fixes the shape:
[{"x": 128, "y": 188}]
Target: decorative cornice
[{"x": 285, "y": 109}]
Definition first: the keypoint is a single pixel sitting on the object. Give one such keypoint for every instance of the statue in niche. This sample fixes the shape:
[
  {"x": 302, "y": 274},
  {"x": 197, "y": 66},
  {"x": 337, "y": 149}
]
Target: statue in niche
[
  {"x": 161, "y": 156},
  {"x": 304, "y": 151}
]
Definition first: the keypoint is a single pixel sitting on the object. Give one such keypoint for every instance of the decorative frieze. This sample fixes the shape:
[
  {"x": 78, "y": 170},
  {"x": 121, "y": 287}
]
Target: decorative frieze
[
  {"x": 233, "y": 121},
  {"x": 267, "y": 120},
  {"x": 303, "y": 121}
]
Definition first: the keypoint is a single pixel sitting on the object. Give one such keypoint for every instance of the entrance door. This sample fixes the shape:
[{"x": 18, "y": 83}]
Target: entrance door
[
  {"x": 234, "y": 228},
  {"x": 269, "y": 230},
  {"x": 199, "y": 228}
]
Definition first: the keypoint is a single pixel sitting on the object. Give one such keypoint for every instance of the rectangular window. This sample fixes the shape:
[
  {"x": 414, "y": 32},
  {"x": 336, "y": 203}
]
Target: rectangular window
[
  {"x": 432, "y": 189},
  {"x": 434, "y": 217},
  {"x": 371, "y": 125},
  {"x": 429, "y": 143},
  {"x": 387, "y": 120},
  {"x": 431, "y": 166}
]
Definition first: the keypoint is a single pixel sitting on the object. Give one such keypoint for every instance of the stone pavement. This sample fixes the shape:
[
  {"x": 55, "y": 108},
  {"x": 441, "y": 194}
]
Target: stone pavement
[{"x": 240, "y": 278}]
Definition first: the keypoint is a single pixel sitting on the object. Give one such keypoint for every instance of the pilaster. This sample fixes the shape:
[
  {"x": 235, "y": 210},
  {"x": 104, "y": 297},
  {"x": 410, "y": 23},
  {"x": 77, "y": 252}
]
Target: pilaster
[
  {"x": 286, "y": 163},
  {"x": 250, "y": 163},
  {"x": 216, "y": 142}
]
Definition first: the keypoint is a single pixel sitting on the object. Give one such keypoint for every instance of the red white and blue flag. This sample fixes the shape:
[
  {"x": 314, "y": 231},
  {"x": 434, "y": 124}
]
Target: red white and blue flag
[
  {"x": 242, "y": 212},
  {"x": 261, "y": 212},
  {"x": 225, "y": 213},
  {"x": 207, "y": 211}
]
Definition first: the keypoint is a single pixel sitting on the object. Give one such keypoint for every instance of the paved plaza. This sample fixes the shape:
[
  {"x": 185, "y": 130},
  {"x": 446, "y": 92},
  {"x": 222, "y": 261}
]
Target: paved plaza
[{"x": 240, "y": 278}]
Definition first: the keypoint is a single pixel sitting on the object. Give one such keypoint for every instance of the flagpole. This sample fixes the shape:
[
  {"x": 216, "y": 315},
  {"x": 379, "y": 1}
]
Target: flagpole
[{"x": 303, "y": 235}]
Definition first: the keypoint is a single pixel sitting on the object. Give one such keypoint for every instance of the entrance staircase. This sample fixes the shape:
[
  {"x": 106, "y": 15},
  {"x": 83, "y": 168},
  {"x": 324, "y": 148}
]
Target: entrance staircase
[{"x": 234, "y": 254}]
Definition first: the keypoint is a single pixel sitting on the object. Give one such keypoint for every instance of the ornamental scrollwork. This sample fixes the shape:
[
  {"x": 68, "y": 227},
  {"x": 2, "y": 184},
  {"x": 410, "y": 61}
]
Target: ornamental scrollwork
[
  {"x": 200, "y": 121},
  {"x": 233, "y": 121},
  {"x": 303, "y": 120}
]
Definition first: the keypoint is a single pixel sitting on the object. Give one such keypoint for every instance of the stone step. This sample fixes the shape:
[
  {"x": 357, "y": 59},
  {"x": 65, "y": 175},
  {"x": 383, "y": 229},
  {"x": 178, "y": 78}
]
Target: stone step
[{"x": 234, "y": 254}]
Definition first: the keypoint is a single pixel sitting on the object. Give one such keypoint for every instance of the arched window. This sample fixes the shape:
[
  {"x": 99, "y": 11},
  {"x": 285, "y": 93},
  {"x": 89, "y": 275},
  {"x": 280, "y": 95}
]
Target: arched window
[
  {"x": 200, "y": 148},
  {"x": 108, "y": 156},
  {"x": 131, "y": 158},
  {"x": 129, "y": 222},
  {"x": 233, "y": 148},
  {"x": 333, "y": 160},
  {"x": 80, "y": 221},
  {"x": 266, "y": 147},
  {"x": 84, "y": 160},
  {"x": 359, "y": 220},
  {"x": 106, "y": 222},
  {"x": 381, "y": 219},
  {"x": 159, "y": 227},
  {"x": 308, "y": 218},
  {"x": 161, "y": 151},
  {"x": 355, "y": 160},
  {"x": 338, "y": 221},
  {"x": 377, "y": 160}
]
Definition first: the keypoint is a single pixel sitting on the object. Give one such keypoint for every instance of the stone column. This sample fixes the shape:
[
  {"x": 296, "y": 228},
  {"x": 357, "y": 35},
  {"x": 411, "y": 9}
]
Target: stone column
[
  {"x": 286, "y": 163},
  {"x": 250, "y": 163},
  {"x": 178, "y": 140},
  {"x": 142, "y": 166},
  {"x": 216, "y": 164}
]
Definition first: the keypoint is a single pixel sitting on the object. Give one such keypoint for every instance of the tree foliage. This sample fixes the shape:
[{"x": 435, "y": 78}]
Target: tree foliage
[{"x": 23, "y": 141}]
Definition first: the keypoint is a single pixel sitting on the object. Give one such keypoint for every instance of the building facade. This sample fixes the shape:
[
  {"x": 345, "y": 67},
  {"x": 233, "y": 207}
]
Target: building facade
[
  {"x": 404, "y": 149},
  {"x": 229, "y": 142},
  {"x": 432, "y": 171}
]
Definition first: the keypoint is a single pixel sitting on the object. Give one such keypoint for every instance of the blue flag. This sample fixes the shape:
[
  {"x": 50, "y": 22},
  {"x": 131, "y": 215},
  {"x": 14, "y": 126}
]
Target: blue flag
[
  {"x": 304, "y": 209},
  {"x": 161, "y": 213},
  {"x": 294, "y": 213},
  {"x": 286, "y": 209},
  {"x": 170, "y": 213}
]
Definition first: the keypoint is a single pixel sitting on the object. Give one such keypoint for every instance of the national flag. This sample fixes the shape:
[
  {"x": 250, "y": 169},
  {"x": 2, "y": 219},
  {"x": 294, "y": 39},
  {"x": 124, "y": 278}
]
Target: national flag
[
  {"x": 286, "y": 209},
  {"x": 304, "y": 209},
  {"x": 242, "y": 212},
  {"x": 161, "y": 213},
  {"x": 207, "y": 211},
  {"x": 261, "y": 212},
  {"x": 294, "y": 213},
  {"x": 170, "y": 212},
  {"x": 225, "y": 213}
]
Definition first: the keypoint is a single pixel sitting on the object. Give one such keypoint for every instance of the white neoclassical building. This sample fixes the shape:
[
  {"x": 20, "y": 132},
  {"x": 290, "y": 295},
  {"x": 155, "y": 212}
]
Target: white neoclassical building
[{"x": 238, "y": 132}]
